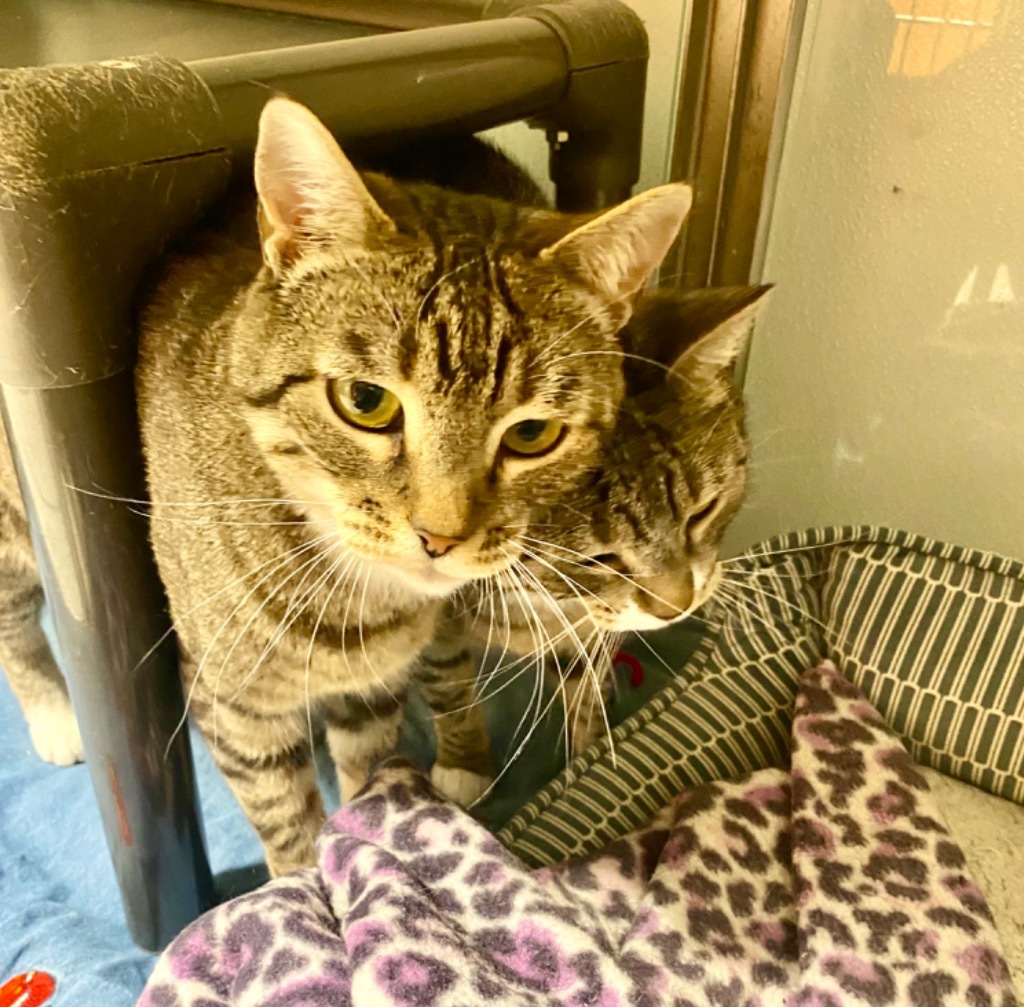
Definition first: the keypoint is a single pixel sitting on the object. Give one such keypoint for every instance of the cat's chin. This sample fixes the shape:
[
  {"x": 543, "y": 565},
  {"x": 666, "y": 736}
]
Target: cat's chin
[
  {"x": 633, "y": 619},
  {"x": 428, "y": 581}
]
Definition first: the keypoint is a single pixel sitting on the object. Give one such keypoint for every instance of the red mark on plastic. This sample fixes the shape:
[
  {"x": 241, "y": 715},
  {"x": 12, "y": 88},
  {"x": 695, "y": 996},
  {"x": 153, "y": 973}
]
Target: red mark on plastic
[
  {"x": 119, "y": 806},
  {"x": 636, "y": 669},
  {"x": 30, "y": 989}
]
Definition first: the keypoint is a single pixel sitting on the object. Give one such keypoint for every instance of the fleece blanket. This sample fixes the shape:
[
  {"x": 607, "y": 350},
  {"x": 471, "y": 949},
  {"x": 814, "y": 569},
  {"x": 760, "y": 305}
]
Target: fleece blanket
[{"x": 833, "y": 884}]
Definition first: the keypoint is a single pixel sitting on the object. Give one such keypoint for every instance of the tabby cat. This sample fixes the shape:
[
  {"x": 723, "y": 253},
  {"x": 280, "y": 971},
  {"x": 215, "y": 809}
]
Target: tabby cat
[
  {"x": 25, "y": 654},
  {"x": 351, "y": 414},
  {"x": 634, "y": 548}
]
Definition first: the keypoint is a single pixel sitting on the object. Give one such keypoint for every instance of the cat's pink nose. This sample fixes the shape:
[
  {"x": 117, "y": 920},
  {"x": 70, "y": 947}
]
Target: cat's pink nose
[{"x": 437, "y": 545}]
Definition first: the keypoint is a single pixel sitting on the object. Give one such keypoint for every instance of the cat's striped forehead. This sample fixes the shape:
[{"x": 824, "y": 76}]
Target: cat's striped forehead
[
  {"x": 484, "y": 331},
  {"x": 466, "y": 323},
  {"x": 464, "y": 320}
]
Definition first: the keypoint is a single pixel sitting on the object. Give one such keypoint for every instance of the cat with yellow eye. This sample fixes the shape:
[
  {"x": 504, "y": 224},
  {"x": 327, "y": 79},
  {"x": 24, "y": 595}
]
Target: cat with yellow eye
[{"x": 354, "y": 395}]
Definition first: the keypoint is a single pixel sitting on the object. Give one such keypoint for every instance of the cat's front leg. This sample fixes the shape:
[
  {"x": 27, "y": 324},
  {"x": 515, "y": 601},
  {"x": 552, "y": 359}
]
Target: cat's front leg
[
  {"x": 447, "y": 676},
  {"x": 586, "y": 689},
  {"x": 362, "y": 728},
  {"x": 34, "y": 677},
  {"x": 268, "y": 763}
]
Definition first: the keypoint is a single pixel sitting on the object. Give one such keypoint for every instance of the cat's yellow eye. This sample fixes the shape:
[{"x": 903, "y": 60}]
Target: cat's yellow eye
[
  {"x": 533, "y": 437},
  {"x": 364, "y": 405}
]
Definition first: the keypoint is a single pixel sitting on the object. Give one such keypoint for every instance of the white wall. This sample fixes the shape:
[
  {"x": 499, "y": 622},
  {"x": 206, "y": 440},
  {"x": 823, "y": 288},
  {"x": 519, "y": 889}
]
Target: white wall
[{"x": 886, "y": 383}]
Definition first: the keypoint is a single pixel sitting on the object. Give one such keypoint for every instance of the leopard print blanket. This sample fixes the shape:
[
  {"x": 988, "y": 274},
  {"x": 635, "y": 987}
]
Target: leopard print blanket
[{"x": 833, "y": 884}]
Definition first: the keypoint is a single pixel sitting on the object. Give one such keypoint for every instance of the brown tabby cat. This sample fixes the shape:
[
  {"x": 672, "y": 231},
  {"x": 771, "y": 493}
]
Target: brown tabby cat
[
  {"x": 349, "y": 416},
  {"x": 25, "y": 654},
  {"x": 636, "y": 546}
]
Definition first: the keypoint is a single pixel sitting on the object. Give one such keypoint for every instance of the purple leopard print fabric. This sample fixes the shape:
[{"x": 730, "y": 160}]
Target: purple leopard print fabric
[{"x": 835, "y": 884}]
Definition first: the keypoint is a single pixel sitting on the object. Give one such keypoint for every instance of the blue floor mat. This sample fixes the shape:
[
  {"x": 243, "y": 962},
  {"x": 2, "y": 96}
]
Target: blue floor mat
[{"x": 60, "y": 910}]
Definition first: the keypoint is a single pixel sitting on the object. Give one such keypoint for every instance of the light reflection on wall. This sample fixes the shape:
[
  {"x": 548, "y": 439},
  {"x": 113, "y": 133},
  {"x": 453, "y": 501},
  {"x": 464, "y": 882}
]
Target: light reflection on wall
[{"x": 932, "y": 34}]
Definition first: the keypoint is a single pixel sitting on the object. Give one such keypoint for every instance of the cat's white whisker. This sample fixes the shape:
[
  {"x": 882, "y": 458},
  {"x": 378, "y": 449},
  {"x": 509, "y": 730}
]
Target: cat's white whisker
[
  {"x": 556, "y": 609},
  {"x": 596, "y": 692},
  {"x": 766, "y": 572},
  {"x": 511, "y": 760},
  {"x": 611, "y": 353},
  {"x": 339, "y": 579},
  {"x": 362, "y": 641},
  {"x": 207, "y": 521},
  {"x": 761, "y": 591},
  {"x": 475, "y": 260},
  {"x": 353, "y": 583},
  {"x": 296, "y": 550},
  {"x": 483, "y": 697},
  {"x": 767, "y": 553},
  {"x": 222, "y": 502},
  {"x": 586, "y": 320},
  {"x": 583, "y": 655},
  {"x": 278, "y": 632},
  {"x": 505, "y": 614},
  {"x": 297, "y": 604},
  {"x": 592, "y": 564},
  {"x": 490, "y": 622},
  {"x": 536, "y": 629},
  {"x": 654, "y": 653},
  {"x": 557, "y": 639},
  {"x": 281, "y": 561},
  {"x": 725, "y": 594},
  {"x": 239, "y": 636}
]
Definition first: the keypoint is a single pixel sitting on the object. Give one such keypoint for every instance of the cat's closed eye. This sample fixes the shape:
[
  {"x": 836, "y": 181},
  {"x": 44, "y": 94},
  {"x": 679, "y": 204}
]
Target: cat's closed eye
[
  {"x": 605, "y": 561},
  {"x": 365, "y": 405},
  {"x": 700, "y": 517}
]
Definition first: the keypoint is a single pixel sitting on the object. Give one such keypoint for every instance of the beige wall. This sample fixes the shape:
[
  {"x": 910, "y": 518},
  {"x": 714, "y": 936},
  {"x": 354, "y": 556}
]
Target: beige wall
[
  {"x": 887, "y": 381},
  {"x": 664, "y": 21}
]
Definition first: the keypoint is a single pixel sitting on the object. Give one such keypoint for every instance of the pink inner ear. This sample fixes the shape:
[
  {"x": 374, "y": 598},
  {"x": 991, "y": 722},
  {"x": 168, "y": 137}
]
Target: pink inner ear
[
  {"x": 282, "y": 198},
  {"x": 620, "y": 249},
  {"x": 296, "y": 164}
]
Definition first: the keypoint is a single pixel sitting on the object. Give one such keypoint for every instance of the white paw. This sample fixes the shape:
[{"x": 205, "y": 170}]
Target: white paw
[
  {"x": 350, "y": 784},
  {"x": 54, "y": 733},
  {"x": 585, "y": 732},
  {"x": 460, "y": 785}
]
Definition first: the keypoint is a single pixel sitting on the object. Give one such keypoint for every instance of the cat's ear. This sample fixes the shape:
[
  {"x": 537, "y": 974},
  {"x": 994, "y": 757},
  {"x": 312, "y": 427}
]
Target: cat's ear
[
  {"x": 619, "y": 250},
  {"x": 309, "y": 193},
  {"x": 720, "y": 321}
]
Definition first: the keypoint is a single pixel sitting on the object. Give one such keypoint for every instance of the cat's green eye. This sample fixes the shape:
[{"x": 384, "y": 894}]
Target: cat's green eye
[
  {"x": 533, "y": 437},
  {"x": 364, "y": 405}
]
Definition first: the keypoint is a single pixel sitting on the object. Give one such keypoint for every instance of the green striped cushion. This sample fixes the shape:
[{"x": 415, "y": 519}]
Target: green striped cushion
[{"x": 933, "y": 634}]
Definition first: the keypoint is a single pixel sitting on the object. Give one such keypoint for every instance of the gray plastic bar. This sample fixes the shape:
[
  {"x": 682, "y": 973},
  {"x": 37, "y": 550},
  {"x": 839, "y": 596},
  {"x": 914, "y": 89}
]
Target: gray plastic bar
[
  {"x": 110, "y": 161},
  {"x": 465, "y": 77}
]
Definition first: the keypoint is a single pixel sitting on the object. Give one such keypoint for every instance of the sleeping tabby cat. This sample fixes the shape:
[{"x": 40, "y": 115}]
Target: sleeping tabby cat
[
  {"x": 349, "y": 416},
  {"x": 634, "y": 548}
]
